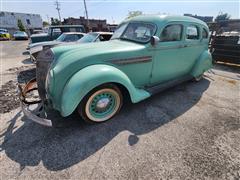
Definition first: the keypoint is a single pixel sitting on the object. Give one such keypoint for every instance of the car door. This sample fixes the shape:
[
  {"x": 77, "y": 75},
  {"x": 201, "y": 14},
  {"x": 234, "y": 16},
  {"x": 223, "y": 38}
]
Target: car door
[
  {"x": 169, "y": 59},
  {"x": 194, "y": 45}
]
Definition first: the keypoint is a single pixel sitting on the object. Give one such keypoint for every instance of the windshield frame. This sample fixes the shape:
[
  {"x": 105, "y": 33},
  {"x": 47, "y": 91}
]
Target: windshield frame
[
  {"x": 88, "y": 34},
  {"x": 62, "y": 39},
  {"x": 132, "y": 40}
]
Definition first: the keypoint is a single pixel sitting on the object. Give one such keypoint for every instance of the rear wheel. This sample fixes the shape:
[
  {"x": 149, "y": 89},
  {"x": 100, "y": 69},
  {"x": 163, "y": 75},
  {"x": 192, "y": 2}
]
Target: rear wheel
[{"x": 101, "y": 104}]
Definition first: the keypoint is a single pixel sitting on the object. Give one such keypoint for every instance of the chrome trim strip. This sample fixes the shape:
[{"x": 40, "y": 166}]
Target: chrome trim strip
[{"x": 134, "y": 60}]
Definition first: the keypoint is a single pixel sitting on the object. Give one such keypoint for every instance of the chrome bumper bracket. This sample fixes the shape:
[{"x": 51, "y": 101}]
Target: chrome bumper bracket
[{"x": 34, "y": 114}]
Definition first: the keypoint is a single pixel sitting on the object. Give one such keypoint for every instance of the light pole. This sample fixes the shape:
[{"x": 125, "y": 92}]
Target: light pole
[
  {"x": 85, "y": 6},
  {"x": 58, "y": 9}
]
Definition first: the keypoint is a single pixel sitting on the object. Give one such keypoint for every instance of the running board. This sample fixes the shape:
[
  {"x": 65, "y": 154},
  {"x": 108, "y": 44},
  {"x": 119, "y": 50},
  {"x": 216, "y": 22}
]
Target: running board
[{"x": 163, "y": 86}]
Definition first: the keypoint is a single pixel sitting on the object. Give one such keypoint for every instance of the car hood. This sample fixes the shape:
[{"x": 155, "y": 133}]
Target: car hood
[
  {"x": 78, "y": 51},
  {"x": 20, "y": 35},
  {"x": 72, "y": 58},
  {"x": 45, "y": 43}
]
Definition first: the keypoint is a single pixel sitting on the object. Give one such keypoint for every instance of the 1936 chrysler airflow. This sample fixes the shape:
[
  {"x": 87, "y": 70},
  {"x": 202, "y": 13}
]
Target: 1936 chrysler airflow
[{"x": 145, "y": 55}]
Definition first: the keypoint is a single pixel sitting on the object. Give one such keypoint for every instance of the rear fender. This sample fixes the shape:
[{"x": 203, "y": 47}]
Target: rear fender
[
  {"x": 203, "y": 63},
  {"x": 90, "y": 77}
]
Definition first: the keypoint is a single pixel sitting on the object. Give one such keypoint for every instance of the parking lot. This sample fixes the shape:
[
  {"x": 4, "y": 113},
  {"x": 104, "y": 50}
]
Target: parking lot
[{"x": 191, "y": 131}]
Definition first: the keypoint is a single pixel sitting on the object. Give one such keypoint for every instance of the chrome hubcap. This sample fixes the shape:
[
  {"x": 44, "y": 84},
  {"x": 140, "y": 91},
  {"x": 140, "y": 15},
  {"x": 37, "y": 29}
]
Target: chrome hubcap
[{"x": 103, "y": 103}]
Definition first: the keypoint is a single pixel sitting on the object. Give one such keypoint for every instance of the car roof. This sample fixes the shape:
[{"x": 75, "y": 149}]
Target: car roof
[
  {"x": 74, "y": 33},
  {"x": 163, "y": 19},
  {"x": 59, "y": 26},
  {"x": 103, "y": 33}
]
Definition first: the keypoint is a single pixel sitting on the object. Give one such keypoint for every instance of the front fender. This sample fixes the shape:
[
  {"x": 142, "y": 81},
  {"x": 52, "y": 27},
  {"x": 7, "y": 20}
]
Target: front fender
[
  {"x": 203, "y": 63},
  {"x": 90, "y": 77}
]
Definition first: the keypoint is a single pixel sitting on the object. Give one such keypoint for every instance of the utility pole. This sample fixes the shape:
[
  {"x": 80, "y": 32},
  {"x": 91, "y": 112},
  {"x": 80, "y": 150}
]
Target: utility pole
[
  {"x": 85, "y": 6},
  {"x": 48, "y": 19},
  {"x": 57, "y": 4}
]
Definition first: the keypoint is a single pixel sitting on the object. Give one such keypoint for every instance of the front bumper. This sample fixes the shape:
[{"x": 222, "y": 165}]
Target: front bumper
[
  {"x": 36, "y": 114},
  {"x": 4, "y": 38}
]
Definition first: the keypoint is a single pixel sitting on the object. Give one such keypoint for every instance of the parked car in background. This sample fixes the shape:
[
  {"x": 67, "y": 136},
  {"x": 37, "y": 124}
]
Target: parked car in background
[
  {"x": 20, "y": 35},
  {"x": 54, "y": 32},
  {"x": 96, "y": 37},
  {"x": 65, "y": 38},
  {"x": 37, "y": 31},
  {"x": 4, "y": 34},
  {"x": 145, "y": 55}
]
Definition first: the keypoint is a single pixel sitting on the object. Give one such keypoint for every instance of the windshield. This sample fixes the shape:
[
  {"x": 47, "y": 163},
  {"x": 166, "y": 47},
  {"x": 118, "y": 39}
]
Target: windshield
[
  {"x": 20, "y": 33},
  {"x": 90, "y": 37},
  {"x": 61, "y": 38},
  {"x": 135, "y": 31},
  {"x": 3, "y": 30}
]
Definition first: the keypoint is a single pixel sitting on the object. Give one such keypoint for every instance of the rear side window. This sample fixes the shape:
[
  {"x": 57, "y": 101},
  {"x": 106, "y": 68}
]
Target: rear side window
[
  {"x": 171, "y": 32},
  {"x": 56, "y": 31},
  {"x": 71, "y": 38},
  {"x": 192, "y": 32},
  {"x": 204, "y": 34}
]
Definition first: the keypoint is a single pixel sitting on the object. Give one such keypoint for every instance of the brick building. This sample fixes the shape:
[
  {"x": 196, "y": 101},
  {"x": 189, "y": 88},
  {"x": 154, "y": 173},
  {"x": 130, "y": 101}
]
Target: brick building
[
  {"x": 94, "y": 24},
  {"x": 203, "y": 18}
]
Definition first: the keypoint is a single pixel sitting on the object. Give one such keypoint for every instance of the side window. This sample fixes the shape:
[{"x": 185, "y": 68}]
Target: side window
[
  {"x": 56, "y": 31},
  {"x": 71, "y": 38},
  {"x": 171, "y": 33},
  {"x": 204, "y": 34},
  {"x": 192, "y": 32}
]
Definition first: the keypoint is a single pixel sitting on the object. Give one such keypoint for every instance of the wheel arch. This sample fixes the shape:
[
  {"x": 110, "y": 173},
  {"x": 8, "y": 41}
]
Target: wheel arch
[
  {"x": 203, "y": 63},
  {"x": 88, "y": 78}
]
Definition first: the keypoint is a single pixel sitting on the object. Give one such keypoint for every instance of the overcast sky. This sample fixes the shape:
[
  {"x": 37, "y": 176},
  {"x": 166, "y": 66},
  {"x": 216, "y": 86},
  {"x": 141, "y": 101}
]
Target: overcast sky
[{"x": 116, "y": 10}]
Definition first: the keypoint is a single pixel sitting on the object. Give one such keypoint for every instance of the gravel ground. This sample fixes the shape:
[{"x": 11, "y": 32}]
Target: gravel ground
[{"x": 191, "y": 131}]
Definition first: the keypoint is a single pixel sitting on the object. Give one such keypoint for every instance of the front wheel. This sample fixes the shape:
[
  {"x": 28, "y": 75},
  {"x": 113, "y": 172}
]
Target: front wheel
[{"x": 101, "y": 104}]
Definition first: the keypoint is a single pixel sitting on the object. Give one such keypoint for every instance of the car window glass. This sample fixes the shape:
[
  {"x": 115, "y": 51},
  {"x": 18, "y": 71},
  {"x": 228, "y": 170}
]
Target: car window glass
[
  {"x": 204, "y": 33},
  {"x": 105, "y": 37},
  {"x": 71, "y": 37},
  {"x": 118, "y": 32},
  {"x": 90, "y": 37},
  {"x": 192, "y": 32},
  {"x": 171, "y": 33},
  {"x": 80, "y": 36},
  {"x": 56, "y": 31},
  {"x": 139, "y": 32}
]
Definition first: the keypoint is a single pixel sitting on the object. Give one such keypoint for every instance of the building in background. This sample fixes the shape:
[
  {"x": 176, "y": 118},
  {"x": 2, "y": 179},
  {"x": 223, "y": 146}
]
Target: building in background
[
  {"x": 9, "y": 21},
  {"x": 112, "y": 27},
  {"x": 206, "y": 19},
  {"x": 94, "y": 24}
]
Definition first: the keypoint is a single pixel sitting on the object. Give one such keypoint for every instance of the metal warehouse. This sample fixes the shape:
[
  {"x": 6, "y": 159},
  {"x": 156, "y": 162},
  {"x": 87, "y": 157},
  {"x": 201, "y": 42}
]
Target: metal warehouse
[{"x": 9, "y": 21}]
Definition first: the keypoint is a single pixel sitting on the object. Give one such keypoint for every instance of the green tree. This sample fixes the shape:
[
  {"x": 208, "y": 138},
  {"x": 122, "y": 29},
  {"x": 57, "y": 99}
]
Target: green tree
[
  {"x": 45, "y": 23},
  {"x": 55, "y": 21},
  {"x": 222, "y": 16},
  {"x": 133, "y": 14},
  {"x": 20, "y": 25}
]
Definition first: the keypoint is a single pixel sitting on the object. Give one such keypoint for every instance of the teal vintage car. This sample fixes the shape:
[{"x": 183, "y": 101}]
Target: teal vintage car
[{"x": 145, "y": 55}]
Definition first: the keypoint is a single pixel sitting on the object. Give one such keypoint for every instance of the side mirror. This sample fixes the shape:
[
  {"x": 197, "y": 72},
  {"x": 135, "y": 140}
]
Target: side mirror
[{"x": 154, "y": 40}]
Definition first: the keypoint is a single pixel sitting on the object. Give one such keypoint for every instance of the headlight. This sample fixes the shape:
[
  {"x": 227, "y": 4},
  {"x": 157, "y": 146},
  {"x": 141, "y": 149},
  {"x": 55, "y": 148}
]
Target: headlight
[
  {"x": 49, "y": 76},
  {"x": 46, "y": 55},
  {"x": 36, "y": 49}
]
